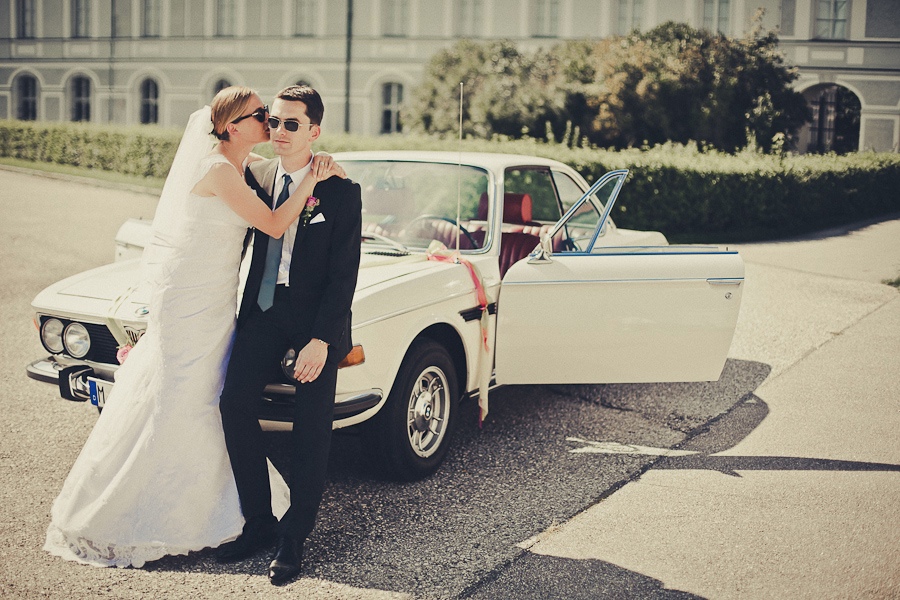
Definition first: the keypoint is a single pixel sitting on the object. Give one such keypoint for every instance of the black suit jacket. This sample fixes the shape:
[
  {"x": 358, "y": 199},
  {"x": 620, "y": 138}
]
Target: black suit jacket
[{"x": 324, "y": 261}]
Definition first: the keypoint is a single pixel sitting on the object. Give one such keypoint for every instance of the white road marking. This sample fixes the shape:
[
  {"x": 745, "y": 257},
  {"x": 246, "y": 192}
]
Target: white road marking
[{"x": 592, "y": 447}]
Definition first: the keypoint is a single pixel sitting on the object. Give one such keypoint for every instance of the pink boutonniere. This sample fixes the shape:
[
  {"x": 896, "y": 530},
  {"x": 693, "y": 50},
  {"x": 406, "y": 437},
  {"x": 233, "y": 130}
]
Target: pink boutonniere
[{"x": 311, "y": 203}]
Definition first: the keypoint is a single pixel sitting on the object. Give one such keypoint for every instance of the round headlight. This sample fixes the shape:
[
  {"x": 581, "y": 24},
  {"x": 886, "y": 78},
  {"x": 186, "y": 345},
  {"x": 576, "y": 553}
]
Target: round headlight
[
  {"x": 51, "y": 335},
  {"x": 77, "y": 340}
]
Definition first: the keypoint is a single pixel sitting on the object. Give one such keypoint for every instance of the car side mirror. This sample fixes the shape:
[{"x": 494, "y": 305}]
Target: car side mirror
[{"x": 543, "y": 251}]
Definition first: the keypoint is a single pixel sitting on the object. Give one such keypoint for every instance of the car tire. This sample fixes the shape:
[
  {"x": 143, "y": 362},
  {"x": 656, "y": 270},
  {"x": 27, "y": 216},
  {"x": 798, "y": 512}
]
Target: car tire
[{"x": 409, "y": 437}]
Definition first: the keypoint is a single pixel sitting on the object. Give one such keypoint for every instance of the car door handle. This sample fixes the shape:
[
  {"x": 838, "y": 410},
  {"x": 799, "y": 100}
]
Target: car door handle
[{"x": 724, "y": 281}]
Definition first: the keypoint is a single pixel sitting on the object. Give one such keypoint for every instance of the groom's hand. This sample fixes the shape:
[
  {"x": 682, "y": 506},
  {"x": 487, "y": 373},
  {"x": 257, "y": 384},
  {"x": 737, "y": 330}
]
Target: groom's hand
[{"x": 310, "y": 361}]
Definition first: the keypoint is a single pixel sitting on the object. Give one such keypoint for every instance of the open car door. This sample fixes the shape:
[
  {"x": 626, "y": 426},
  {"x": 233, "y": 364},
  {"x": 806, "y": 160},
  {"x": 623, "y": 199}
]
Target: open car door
[{"x": 591, "y": 314}]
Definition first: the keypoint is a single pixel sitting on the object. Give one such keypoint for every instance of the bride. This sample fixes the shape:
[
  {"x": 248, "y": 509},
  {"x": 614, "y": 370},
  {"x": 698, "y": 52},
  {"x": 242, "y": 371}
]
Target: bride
[{"x": 154, "y": 477}]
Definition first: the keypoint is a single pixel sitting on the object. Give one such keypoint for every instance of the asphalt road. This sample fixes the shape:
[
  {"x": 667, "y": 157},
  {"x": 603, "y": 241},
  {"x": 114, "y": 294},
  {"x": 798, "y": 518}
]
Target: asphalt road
[{"x": 453, "y": 535}]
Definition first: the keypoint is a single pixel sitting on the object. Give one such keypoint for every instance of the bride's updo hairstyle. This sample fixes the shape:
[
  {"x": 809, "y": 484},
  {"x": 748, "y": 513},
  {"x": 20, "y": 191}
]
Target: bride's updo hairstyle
[{"x": 227, "y": 106}]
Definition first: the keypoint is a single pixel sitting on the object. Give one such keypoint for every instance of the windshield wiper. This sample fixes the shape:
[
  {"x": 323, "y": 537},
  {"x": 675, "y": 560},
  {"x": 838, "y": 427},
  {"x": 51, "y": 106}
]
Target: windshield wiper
[{"x": 370, "y": 235}]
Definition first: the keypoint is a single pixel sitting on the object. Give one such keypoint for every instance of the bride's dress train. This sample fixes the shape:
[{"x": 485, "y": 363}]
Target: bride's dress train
[{"x": 154, "y": 477}]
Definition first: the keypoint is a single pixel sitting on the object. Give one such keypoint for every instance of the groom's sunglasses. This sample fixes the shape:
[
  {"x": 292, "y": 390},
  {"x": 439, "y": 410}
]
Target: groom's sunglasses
[
  {"x": 291, "y": 125},
  {"x": 259, "y": 114}
]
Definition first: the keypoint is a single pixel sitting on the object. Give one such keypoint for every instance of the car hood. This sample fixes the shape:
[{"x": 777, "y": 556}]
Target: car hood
[{"x": 96, "y": 288}]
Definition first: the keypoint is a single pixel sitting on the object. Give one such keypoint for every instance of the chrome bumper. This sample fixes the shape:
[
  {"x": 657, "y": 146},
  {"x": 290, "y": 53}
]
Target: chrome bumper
[{"x": 71, "y": 376}]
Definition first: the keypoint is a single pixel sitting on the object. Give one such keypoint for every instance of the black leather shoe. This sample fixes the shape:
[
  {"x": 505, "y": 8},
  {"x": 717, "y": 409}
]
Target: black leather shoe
[
  {"x": 258, "y": 533},
  {"x": 286, "y": 562}
]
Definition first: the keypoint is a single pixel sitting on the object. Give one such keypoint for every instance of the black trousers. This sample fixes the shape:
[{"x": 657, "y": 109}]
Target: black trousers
[{"x": 256, "y": 361}]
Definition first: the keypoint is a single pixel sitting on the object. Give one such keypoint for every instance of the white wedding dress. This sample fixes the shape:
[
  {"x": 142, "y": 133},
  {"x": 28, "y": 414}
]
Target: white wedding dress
[{"x": 154, "y": 477}]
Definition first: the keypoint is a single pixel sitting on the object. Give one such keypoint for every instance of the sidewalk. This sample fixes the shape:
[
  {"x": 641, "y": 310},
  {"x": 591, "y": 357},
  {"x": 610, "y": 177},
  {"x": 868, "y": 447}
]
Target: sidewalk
[{"x": 793, "y": 494}]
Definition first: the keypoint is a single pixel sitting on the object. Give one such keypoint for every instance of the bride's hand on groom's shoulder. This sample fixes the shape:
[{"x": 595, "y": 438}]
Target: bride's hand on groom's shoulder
[{"x": 324, "y": 167}]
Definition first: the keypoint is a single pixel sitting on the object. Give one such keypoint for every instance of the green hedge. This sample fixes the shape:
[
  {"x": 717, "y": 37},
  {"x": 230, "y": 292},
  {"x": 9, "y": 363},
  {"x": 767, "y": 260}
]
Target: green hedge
[{"x": 689, "y": 195}]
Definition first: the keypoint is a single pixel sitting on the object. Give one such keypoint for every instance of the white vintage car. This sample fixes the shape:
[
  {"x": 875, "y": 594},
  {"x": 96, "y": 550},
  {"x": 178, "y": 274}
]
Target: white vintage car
[{"x": 545, "y": 289}]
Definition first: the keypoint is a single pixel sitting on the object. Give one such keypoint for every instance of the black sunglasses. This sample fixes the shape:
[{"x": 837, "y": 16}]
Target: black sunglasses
[
  {"x": 259, "y": 114},
  {"x": 291, "y": 125}
]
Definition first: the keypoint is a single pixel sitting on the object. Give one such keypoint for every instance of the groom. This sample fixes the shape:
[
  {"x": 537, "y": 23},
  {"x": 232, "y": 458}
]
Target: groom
[{"x": 297, "y": 295}]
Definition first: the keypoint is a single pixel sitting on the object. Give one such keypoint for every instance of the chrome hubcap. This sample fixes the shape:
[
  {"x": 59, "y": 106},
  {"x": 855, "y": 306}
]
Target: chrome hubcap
[{"x": 429, "y": 404}]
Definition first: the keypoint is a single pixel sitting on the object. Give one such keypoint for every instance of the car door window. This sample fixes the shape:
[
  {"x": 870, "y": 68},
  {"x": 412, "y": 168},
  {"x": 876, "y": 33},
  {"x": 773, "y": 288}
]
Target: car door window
[
  {"x": 579, "y": 227},
  {"x": 537, "y": 182}
]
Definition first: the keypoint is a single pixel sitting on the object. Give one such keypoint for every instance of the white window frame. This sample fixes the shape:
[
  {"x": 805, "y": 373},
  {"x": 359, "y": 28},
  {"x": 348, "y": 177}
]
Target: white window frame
[
  {"x": 79, "y": 102},
  {"x": 832, "y": 19},
  {"x": 545, "y": 18},
  {"x": 717, "y": 15},
  {"x": 391, "y": 103}
]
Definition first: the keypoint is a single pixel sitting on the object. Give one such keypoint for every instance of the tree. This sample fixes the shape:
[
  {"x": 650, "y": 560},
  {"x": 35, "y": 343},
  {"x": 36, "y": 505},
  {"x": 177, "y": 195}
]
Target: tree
[
  {"x": 676, "y": 83},
  {"x": 672, "y": 83}
]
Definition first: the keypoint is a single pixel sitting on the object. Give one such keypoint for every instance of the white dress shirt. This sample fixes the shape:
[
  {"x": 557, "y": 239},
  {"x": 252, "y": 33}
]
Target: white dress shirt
[{"x": 284, "y": 268}]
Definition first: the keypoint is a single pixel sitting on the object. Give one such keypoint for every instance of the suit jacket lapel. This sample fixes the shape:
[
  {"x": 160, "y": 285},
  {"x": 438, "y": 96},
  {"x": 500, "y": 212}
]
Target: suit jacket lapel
[{"x": 301, "y": 230}]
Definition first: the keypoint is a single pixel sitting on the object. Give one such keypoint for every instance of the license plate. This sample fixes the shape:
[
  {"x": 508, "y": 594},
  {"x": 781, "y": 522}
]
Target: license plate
[{"x": 99, "y": 389}]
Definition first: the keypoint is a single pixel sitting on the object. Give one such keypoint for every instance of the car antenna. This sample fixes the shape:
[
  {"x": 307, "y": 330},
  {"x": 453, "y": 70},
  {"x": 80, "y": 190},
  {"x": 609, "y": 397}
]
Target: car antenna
[{"x": 459, "y": 172}]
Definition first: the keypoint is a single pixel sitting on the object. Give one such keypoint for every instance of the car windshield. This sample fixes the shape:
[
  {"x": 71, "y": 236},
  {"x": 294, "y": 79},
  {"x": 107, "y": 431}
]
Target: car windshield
[{"x": 414, "y": 203}]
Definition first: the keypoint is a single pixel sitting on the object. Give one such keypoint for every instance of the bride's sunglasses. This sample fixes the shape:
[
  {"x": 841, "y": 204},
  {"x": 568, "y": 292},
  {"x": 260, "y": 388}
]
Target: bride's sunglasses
[
  {"x": 291, "y": 125},
  {"x": 259, "y": 114}
]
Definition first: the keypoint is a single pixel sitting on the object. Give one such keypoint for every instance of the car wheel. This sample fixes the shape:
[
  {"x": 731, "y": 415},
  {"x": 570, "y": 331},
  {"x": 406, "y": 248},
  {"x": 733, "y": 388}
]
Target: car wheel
[{"x": 410, "y": 435}]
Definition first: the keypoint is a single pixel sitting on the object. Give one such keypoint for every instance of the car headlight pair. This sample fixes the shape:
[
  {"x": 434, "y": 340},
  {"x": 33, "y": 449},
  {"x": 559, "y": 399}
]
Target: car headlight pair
[{"x": 73, "y": 338}]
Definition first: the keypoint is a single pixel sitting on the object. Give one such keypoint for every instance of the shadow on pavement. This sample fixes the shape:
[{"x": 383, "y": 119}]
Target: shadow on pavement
[
  {"x": 536, "y": 576},
  {"x": 728, "y": 430},
  {"x": 457, "y": 532}
]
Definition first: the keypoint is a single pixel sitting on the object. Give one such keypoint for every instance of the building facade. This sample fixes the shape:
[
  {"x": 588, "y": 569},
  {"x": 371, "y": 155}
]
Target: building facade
[{"x": 156, "y": 61}]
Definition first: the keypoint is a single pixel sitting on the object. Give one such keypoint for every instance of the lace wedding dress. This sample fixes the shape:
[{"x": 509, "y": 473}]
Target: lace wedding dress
[{"x": 154, "y": 477}]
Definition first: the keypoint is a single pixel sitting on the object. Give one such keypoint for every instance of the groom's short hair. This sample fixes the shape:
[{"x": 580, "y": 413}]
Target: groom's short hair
[{"x": 308, "y": 96}]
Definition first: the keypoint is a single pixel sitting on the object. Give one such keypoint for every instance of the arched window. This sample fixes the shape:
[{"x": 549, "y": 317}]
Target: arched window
[
  {"x": 81, "y": 99},
  {"x": 149, "y": 102},
  {"x": 391, "y": 99},
  {"x": 835, "y": 119},
  {"x": 303, "y": 82},
  {"x": 221, "y": 85},
  {"x": 26, "y": 98}
]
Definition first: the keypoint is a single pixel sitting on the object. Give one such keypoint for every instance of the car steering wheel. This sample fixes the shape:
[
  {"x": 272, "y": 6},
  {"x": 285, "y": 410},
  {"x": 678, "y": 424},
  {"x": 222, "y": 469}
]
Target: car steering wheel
[{"x": 462, "y": 229}]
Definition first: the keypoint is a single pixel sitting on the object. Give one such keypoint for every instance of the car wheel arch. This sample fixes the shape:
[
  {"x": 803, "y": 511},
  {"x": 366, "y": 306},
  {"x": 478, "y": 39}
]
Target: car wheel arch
[{"x": 448, "y": 337}]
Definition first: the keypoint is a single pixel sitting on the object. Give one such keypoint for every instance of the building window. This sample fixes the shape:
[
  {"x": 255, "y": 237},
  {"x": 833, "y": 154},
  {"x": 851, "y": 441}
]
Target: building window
[
  {"x": 716, "y": 15},
  {"x": 788, "y": 10},
  {"x": 150, "y": 18},
  {"x": 391, "y": 99},
  {"x": 81, "y": 99},
  {"x": 835, "y": 121},
  {"x": 629, "y": 16},
  {"x": 305, "y": 17},
  {"x": 224, "y": 18},
  {"x": 303, "y": 82},
  {"x": 26, "y": 98},
  {"x": 831, "y": 19},
  {"x": 149, "y": 102},
  {"x": 81, "y": 18},
  {"x": 25, "y": 18},
  {"x": 546, "y": 18},
  {"x": 469, "y": 16},
  {"x": 395, "y": 15}
]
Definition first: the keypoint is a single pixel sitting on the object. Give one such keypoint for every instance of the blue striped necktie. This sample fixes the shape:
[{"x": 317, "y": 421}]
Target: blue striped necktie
[{"x": 266, "y": 296}]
